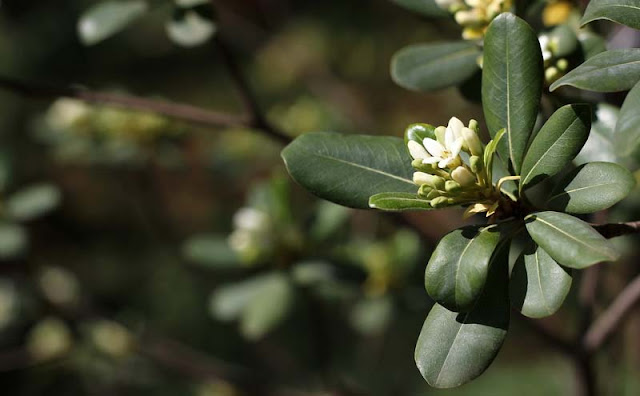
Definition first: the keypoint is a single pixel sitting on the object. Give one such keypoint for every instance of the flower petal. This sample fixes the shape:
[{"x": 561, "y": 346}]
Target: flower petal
[
  {"x": 417, "y": 150},
  {"x": 433, "y": 147},
  {"x": 431, "y": 160},
  {"x": 456, "y": 126},
  {"x": 455, "y": 148}
]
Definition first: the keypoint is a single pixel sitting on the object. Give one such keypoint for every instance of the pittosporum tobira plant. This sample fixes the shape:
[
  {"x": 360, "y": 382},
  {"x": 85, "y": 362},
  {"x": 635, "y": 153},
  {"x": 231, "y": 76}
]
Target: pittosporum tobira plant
[{"x": 435, "y": 167}]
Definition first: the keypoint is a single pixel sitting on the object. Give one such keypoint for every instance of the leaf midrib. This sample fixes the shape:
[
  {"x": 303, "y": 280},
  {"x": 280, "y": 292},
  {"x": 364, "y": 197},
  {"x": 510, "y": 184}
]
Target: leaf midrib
[
  {"x": 367, "y": 168},
  {"x": 570, "y": 236},
  {"x": 581, "y": 188}
]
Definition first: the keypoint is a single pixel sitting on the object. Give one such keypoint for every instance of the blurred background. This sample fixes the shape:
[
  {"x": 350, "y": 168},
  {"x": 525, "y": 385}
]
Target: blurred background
[{"x": 141, "y": 254}]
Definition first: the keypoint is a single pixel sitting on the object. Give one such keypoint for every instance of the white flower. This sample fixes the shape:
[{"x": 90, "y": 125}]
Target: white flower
[
  {"x": 447, "y": 154},
  {"x": 463, "y": 176},
  {"x": 417, "y": 150},
  {"x": 545, "y": 47}
]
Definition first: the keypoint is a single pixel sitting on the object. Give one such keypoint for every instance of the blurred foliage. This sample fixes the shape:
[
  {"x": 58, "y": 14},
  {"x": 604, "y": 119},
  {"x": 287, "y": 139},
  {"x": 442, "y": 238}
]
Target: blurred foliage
[{"x": 137, "y": 250}]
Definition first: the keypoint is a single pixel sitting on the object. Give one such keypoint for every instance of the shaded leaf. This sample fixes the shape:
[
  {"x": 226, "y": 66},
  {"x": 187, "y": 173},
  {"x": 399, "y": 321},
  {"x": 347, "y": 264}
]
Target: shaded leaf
[
  {"x": 538, "y": 284},
  {"x": 558, "y": 142},
  {"x": 568, "y": 240},
  {"x": 371, "y": 316},
  {"x": 348, "y": 169},
  {"x": 454, "y": 348},
  {"x": 511, "y": 84},
  {"x": 330, "y": 218},
  {"x": 108, "y": 18},
  {"x": 429, "y": 67},
  {"x": 609, "y": 71},
  {"x": 399, "y": 201},
  {"x": 13, "y": 240},
  {"x": 427, "y": 8},
  {"x": 626, "y": 137},
  {"x": 591, "y": 43},
  {"x": 591, "y": 187},
  {"x": 211, "y": 251},
  {"x": 625, "y": 12},
  {"x": 268, "y": 307},
  {"x": 458, "y": 268}
]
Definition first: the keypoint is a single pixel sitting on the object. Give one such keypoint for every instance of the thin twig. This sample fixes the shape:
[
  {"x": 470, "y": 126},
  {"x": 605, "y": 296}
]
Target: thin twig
[
  {"x": 612, "y": 317},
  {"x": 613, "y": 230},
  {"x": 179, "y": 111}
]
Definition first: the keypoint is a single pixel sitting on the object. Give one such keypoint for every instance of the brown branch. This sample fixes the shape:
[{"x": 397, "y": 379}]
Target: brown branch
[
  {"x": 612, "y": 317},
  {"x": 613, "y": 230},
  {"x": 179, "y": 111}
]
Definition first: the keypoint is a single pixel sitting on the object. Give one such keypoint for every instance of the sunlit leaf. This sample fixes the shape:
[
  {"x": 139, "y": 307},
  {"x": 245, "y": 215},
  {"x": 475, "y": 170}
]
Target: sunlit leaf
[
  {"x": 538, "y": 285},
  {"x": 371, "y": 315},
  {"x": 591, "y": 187},
  {"x": 568, "y": 240},
  {"x": 399, "y": 202},
  {"x": 13, "y": 240},
  {"x": 511, "y": 84},
  {"x": 190, "y": 29},
  {"x": 627, "y": 133},
  {"x": 427, "y": 8},
  {"x": 558, "y": 142},
  {"x": 610, "y": 71},
  {"x": 625, "y": 12},
  {"x": 210, "y": 251},
  {"x": 348, "y": 169},
  {"x": 33, "y": 202}
]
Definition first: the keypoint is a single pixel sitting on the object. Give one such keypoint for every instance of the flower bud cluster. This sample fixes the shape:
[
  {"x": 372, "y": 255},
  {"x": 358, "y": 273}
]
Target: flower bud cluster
[
  {"x": 475, "y": 15},
  {"x": 444, "y": 177},
  {"x": 251, "y": 238},
  {"x": 554, "y": 66}
]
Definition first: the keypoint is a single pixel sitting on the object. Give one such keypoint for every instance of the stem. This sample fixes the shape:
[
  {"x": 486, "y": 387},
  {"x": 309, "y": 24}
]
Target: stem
[{"x": 185, "y": 112}]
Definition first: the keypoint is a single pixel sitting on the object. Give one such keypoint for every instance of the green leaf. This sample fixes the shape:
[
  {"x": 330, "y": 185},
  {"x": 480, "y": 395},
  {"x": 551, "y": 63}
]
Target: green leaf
[
  {"x": 371, "y": 316},
  {"x": 13, "y": 240},
  {"x": 399, "y": 201},
  {"x": 427, "y": 8},
  {"x": 625, "y": 12},
  {"x": 564, "y": 39},
  {"x": 454, "y": 348},
  {"x": 268, "y": 307},
  {"x": 329, "y": 220},
  {"x": 626, "y": 137},
  {"x": 599, "y": 146},
  {"x": 557, "y": 143},
  {"x": 33, "y": 202},
  {"x": 105, "y": 19},
  {"x": 609, "y": 71},
  {"x": 591, "y": 187},
  {"x": 591, "y": 43},
  {"x": 538, "y": 284},
  {"x": 511, "y": 84},
  {"x": 429, "y": 67},
  {"x": 419, "y": 132},
  {"x": 190, "y": 29},
  {"x": 260, "y": 303},
  {"x": 568, "y": 240},
  {"x": 458, "y": 268},
  {"x": 210, "y": 251},
  {"x": 348, "y": 169}
]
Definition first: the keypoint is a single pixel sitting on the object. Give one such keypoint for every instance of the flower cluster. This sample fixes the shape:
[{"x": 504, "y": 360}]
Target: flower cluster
[
  {"x": 475, "y": 15},
  {"x": 251, "y": 238},
  {"x": 446, "y": 178},
  {"x": 554, "y": 66}
]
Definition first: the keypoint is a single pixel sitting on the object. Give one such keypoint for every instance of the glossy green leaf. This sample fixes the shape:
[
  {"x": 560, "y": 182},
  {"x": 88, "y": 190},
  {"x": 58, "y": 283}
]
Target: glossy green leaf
[
  {"x": 454, "y": 348},
  {"x": 429, "y": 67},
  {"x": 609, "y": 71},
  {"x": 211, "y": 251},
  {"x": 511, "y": 84},
  {"x": 626, "y": 137},
  {"x": 568, "y": 240},
  {"x": 625, "y": 12},
  {"x": 558, "y": 142},
  {"x": 348, "y": 169},
  {"x": 538, "y": 284},
  {"x": 427, "y": 8},
  {"x": 108, "y": 18},
  {"x": 599, "y": 145},
  {"x": 399, "y": 201},
  {"x": 458, "y": 268},
  {"x": 591, "y": 187},
  {"x": 190, "y": 29},
  {"x": 419, "y": 132},
  {"x": 33, "y": 202}
]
